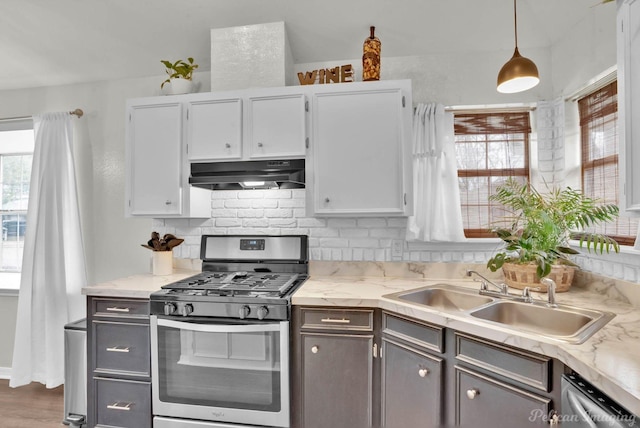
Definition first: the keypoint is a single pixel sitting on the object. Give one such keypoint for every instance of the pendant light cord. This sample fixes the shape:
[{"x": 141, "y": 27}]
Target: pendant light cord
[{"x": 515, "y": 22}]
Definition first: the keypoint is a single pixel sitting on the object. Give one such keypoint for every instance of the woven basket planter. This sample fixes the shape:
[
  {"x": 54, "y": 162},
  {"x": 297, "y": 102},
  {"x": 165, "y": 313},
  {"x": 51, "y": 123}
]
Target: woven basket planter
[{"x": 524, "y": 275}]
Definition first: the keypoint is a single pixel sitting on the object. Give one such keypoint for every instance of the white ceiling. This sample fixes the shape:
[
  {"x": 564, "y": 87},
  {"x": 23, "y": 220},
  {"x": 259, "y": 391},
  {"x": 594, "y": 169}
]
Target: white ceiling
[{"x": 55, "y": 42}]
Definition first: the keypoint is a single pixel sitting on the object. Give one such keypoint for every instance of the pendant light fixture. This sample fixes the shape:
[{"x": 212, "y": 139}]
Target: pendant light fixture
[{"x": 519, "y": 73}]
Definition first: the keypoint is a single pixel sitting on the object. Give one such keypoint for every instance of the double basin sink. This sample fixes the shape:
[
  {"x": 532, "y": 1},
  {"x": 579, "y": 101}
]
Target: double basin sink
[{"x": 563, "y": 323}]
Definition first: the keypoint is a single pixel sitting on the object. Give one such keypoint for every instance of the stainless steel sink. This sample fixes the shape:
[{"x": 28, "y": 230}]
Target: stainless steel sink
[
  {"x": 444, "y": 297},
  {"x": 565, "y": 323}
]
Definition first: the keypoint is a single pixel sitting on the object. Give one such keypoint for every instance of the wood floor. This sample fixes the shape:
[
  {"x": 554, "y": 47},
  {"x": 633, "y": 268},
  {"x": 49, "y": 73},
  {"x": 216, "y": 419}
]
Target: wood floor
[{"x": 31, "y": 406}]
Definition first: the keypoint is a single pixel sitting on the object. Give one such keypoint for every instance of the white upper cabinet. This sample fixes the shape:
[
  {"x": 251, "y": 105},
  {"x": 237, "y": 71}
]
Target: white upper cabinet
[
  {"x": 156, "y": 184},
  {"x": 250, "y": 124},
  {"x": 360, "y": 151},
  {"x": 214, "y": 128},
  {"x": 276, "y": 126},
  {"x": 629, "y": 103}
]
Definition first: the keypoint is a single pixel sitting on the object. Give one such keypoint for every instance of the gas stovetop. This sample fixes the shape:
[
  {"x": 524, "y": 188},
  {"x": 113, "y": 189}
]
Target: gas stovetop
[
  {"x": 246, "y": 277},
  {"x": 235, "y": 283}
]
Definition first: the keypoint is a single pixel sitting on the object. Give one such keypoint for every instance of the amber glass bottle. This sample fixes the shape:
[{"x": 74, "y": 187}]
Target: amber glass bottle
[{"x": 371, "y": 57}]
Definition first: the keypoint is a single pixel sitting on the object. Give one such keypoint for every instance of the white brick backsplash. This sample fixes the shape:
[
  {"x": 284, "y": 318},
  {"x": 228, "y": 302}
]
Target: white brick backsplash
[
  {"x": 251, "y": 194},
  {"x": 371, "y": 222},
  {"x": 237, "y": 203},
  {"x": 282, "y": 223},
  {"x": 282, "y": 212},
  {"x": 364, "y": 243},
  {"x": 354, "y": 233},
  {"x": 264, "y": 203},
  {"x": 387, "y": 233},
  {"x": 251, "y": 213},
  {"x": 278, "y": 213},
  {"x": 277, "y": 194},
  {"x": 341, "y": 222},
  {"x": 228, "y": 222},
  {"x": 255, "y": 222},
  {"x": 312, "y": 222},
  {"x": 334, "y": 242},
  {"x": 224, "y": 213}
]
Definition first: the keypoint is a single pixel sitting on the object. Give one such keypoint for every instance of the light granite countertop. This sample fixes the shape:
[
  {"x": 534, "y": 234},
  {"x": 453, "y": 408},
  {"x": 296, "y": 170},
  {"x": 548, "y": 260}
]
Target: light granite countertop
[
  {"x": 136, "y": 286},
  {"x": 609, "y": 359}
]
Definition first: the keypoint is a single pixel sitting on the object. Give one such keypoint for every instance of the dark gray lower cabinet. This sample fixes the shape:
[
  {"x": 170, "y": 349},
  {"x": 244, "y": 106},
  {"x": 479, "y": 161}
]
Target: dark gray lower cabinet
[
  {"x": 119, "y": 363},
  {"x": 423, "y": 376},
  {"x": 338, "y": 380},
  {"x": 412, "y": 387},
  {"x": 335, "y": 368},
  {"x": 484, "y": 402}
]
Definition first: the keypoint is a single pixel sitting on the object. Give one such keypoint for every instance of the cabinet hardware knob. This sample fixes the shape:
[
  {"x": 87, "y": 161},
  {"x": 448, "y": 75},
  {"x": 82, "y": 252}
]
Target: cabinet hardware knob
[
  {"x": 423, "y": 372},
  {"x": 227, "y": 145},
  {"x": 315, "y": 349},
  {"x": 472, "y": 393},
  {"x": 259, "y": 144},
  {"x": 167, "y": 202},
  {"x": 326, "y": 200},
  {"x": 120, "y": 406},
  {"x": 118, "y": 349}
]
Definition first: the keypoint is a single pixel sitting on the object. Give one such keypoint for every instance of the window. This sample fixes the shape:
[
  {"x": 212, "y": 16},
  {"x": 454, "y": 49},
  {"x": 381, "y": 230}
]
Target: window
[
  {"x": 16, "y": 154},
  {"x": 599, "y": 138},
  {"x": 490, "y": 147}
]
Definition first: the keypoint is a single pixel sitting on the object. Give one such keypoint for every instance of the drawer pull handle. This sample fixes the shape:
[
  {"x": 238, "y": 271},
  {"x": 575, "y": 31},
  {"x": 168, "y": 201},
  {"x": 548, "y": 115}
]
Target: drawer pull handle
[
  {"x": 227, "y": 145},
  {"x": 120, "y": 406},
  {"x": 118, "y": 349},
  {"x": 472, "y": 393},
  {"x": 423, "y": 372},
  {"x": 117, "y": 309},
  {"x": 336, "y": 320},
  {"x": 315, "y": 349}
]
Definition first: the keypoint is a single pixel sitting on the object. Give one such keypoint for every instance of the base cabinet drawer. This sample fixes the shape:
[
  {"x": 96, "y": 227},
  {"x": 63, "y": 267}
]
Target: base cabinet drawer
[
  {"x": 122, "y": 348},
  {"x": 123, "y": 404},
  {"x": 483, "y": 402}
]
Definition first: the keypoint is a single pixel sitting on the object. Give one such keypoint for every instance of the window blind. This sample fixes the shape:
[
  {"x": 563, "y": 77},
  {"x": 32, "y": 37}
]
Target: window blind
[
  {"x": 490, "y": 148},
  {"x": 599, "y": 140}
]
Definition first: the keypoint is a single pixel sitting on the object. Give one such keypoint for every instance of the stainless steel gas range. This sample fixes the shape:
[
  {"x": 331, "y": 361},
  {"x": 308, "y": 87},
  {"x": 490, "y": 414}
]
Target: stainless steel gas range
[{"x": 220, "y": 339}]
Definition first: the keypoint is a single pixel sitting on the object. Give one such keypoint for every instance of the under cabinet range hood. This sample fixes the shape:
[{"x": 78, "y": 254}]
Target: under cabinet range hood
[{"x": 264, "y": 174}]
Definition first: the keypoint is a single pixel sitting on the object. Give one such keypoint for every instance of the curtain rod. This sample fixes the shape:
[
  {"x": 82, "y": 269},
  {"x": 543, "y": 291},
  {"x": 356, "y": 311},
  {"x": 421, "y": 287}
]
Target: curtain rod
[{"x": 77, "y": 112}]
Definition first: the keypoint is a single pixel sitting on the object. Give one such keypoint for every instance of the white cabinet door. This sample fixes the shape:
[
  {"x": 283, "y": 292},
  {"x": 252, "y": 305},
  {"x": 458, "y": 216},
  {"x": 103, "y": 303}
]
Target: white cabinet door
[
  {"x": 154, "y": 159},
  {"x": 214, "y": 129},
  {"x": 360, "y": 156},
  {"x": 629, "y": 103},
  {"x": 276, "y": 126}
]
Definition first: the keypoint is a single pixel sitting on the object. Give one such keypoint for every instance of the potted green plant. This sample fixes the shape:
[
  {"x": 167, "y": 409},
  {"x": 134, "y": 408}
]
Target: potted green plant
[
  {"x": 180, "y": 75},
  {"x": 536, "y": 244}
]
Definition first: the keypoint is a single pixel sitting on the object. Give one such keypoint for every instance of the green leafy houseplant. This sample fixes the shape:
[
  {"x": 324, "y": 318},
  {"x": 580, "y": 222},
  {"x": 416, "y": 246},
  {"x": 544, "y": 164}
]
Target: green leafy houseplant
[
  {"x": 543, "y": 224},
  {"x": 179, "y": 69}
]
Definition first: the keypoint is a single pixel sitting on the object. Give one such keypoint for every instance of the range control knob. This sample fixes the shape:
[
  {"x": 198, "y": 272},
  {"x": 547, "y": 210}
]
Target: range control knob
[
  {"x": 186, "y": 309},
  {"x": 263, "y": 311},
  {"x": 169, "y": 308},
  {"x": 244, "y": 311}
]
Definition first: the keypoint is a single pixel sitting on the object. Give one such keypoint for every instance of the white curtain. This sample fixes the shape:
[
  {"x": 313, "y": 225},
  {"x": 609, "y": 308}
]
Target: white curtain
[
  {"x": 437, "y": 215},
  {"x": 53, "y": 267}
]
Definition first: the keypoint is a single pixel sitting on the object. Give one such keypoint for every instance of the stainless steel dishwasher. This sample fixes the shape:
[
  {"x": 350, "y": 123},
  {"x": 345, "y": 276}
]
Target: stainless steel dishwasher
[
  {"x": 584, "y": 406},
  {"x": 75, "y": 373}
]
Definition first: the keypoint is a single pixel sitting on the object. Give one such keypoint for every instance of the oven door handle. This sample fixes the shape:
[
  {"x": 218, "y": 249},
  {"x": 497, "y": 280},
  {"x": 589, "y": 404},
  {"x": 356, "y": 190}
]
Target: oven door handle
[{"x": 220, "y": 328}]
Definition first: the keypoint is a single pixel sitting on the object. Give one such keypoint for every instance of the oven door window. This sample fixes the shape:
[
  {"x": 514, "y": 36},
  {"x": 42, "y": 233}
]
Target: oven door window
[{"x": 233, "y": 366}]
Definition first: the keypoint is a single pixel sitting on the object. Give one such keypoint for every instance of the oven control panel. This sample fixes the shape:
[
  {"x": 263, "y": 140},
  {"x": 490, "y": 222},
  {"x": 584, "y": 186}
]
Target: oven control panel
[
  {"x": 242, "y": 311},
  {"x": 252, "y": 244}
]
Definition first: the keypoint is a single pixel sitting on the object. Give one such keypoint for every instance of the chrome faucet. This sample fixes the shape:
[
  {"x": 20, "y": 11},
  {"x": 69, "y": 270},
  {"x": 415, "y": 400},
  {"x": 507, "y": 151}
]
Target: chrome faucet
[
  {"x": 485, "y": 282},
  {"x": 551, "y": 291}
]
